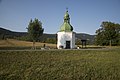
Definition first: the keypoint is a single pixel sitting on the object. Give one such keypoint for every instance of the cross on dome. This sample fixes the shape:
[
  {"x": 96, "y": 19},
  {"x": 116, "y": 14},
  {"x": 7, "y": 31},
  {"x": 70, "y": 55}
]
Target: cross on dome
[{"x": 67, "y": 9}]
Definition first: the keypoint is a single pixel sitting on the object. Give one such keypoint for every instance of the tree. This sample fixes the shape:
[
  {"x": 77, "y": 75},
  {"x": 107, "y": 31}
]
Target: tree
[
  {"x": 108, "y": 34},
  {"x": 35, "y": 30}
]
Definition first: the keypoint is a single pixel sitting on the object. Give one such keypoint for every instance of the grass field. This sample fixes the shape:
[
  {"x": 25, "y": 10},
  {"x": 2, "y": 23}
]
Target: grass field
[
  {"x": 60, "y": 65},
  {"x": 16, "y": 44},
  {"x": 12, "y": 44}
]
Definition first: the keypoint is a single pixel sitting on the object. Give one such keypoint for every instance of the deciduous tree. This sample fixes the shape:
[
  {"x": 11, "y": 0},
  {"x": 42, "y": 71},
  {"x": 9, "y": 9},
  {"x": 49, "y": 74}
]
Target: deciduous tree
[
  {"x": 108, "y": 34},
  {"x": 35, "y": 30}
]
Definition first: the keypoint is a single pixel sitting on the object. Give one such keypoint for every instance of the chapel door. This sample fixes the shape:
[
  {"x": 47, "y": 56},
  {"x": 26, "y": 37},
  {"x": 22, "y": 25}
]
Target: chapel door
[{"x": 67, "y": 44}]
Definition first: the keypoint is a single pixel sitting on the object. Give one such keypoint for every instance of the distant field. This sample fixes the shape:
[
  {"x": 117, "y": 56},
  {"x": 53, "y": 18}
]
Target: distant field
[
  {"x": 60, "y": 65},
  {"x": 12, "y": 44},
  {"x": 9, "y": 43}
]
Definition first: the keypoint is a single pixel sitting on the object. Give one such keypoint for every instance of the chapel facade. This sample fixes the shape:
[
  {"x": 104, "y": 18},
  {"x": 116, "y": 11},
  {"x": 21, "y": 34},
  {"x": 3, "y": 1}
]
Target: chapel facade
[{"x": 66, "y": 35}]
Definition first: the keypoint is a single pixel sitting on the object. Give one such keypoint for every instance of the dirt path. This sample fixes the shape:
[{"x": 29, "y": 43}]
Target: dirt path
[{"x": 58, "y": 49}]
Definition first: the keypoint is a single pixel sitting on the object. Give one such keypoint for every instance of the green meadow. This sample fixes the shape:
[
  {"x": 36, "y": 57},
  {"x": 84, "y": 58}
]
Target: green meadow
[{"x": 60, "y": 65}]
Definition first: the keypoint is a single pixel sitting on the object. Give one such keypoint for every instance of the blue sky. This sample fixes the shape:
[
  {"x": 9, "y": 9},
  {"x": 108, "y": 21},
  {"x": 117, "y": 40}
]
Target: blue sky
[{"x": 85, "y": 15}]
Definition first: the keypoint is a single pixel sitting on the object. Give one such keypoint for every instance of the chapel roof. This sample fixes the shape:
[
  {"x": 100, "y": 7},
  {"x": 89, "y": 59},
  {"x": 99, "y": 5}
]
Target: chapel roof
[{"x": 66, "y": 26}]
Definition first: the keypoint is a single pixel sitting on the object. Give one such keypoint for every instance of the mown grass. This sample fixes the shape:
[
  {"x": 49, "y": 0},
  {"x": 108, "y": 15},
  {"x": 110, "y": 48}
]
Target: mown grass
[{"x": 60, "y": 65}]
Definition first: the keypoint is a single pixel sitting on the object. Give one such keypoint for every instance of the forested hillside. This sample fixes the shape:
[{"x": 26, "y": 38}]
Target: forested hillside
[{"x": 48, "y": 38}]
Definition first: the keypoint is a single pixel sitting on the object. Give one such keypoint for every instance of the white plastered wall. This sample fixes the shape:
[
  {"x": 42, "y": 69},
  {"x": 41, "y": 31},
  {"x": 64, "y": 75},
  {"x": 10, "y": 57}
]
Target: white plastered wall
[{"x": 62, "y": 37}]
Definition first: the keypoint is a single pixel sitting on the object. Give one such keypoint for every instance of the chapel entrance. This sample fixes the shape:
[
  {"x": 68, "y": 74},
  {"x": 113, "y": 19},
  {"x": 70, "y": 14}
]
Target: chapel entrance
[{"x": 67, "y": 44}]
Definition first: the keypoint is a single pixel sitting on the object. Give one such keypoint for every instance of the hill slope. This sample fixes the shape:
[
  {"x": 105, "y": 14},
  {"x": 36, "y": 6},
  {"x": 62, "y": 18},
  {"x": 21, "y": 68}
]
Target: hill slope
[{"x": 4, "y": 33}]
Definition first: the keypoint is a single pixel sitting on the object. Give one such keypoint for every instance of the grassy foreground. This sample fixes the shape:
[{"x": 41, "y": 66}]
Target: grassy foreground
[{"x": 60, "y": 65}]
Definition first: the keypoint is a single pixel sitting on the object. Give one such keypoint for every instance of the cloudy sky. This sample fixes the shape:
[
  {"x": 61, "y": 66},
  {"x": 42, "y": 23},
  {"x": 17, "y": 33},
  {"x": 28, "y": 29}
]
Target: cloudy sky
[{"x": 85, "y": 15}]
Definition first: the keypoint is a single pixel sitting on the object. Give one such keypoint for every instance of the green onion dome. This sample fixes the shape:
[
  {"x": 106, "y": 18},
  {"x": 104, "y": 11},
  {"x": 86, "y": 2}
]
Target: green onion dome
[{"x": 66, "y": 25}]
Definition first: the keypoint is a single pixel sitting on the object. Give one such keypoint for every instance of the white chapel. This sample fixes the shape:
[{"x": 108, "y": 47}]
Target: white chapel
[{"x": 66, "y": 36}]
